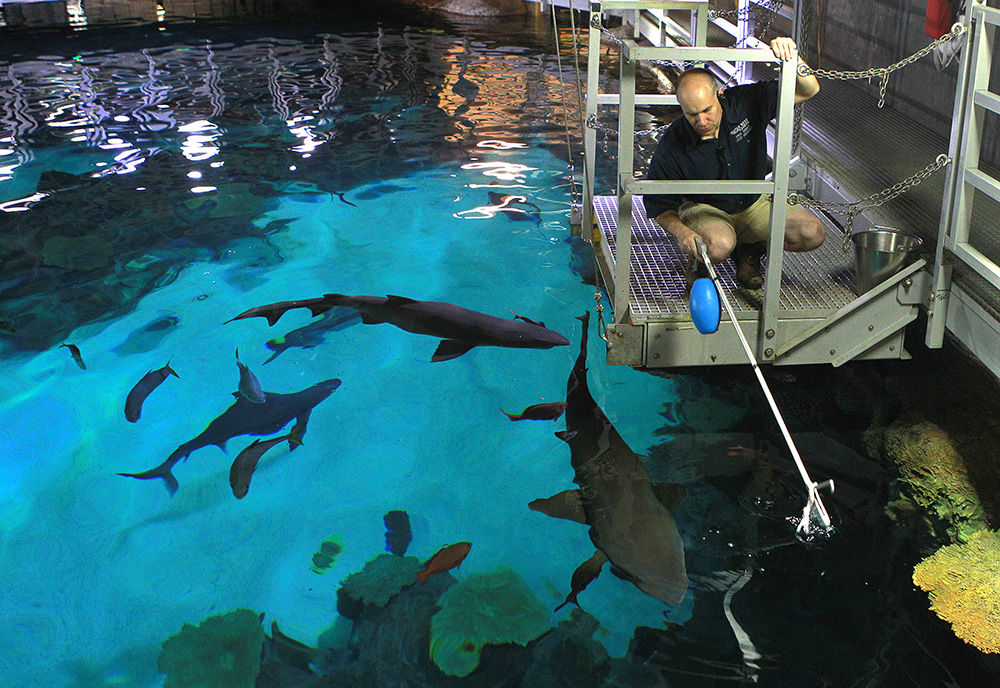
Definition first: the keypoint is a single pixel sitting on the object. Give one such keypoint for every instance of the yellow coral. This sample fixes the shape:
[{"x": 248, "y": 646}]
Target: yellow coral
[{"x": 963, "y": 582}]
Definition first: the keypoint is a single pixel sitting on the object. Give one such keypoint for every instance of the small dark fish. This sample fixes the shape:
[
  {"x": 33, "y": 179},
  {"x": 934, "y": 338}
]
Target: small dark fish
[
  {"x": 74, "y": 351},
  {"x": 143, "y": 388},
  {"x": 308, "y": 336},
  {"x": 397, "y": 532},
  {"x": 274, "y": 311},
  {"x": 249, "y": 386},
  {"x": 246, "y": 462},
  {"x": 446, "y": 558},
  {"x": 584, "y": 574},
  {"x": 289, "y": 650},
  {"x": 549, "y": 411}
]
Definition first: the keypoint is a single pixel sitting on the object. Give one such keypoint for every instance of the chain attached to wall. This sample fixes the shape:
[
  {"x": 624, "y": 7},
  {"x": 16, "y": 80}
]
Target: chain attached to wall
[
  {"x": 855, "y": 208},
  {"x": 882, "y": 73}
]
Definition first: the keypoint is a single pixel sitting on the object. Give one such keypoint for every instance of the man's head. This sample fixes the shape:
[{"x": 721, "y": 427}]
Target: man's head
[{"x": 697, "y": 93}]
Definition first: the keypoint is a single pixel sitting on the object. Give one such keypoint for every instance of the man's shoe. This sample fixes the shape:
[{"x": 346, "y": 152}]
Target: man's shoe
[{"x": 747, "y": 258}]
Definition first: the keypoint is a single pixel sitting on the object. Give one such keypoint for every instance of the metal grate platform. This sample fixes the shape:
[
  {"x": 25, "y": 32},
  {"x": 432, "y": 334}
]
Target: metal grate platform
[{"x": 812, "y": 284}]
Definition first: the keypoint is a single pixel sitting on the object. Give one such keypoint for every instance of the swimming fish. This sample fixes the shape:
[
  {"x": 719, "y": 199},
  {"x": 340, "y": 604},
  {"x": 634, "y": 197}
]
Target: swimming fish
[
  {"x": 549, "y": 411},
  {"x": 397, "y": 532},
  {"x": 446, "y": 558},
  {"x": 246, "y": 418},
  {"x": 246, "y": 462},
  {"x": 628, "y": 516},
  {"x": 312, "y": 334},
  {"x": 461, "y": 329},
  {"x": 249, "y": 386},
  {"x": 288, "y": 650},
  {"x": 74, "y": 351},
  {"x": 582, "y": 576},
  {"x": 143, "y": 388},
  {"x": 274, "y": 311}
]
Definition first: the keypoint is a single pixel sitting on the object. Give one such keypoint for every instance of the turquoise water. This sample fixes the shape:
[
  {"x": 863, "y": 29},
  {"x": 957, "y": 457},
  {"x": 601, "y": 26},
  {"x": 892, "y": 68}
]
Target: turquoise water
[{"x": 157, "y": 182}]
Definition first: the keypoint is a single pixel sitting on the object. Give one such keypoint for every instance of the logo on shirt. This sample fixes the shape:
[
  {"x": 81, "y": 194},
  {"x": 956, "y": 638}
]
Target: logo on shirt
[{"x": 741, "y": 130}]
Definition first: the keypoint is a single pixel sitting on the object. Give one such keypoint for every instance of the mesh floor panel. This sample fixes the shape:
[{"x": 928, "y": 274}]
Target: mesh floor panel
[{"x": 821, "y": 280}]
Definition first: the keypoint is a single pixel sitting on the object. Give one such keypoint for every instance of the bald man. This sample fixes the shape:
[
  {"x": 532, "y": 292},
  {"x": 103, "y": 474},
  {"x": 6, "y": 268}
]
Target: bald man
[{"x": 722, "y": 135}]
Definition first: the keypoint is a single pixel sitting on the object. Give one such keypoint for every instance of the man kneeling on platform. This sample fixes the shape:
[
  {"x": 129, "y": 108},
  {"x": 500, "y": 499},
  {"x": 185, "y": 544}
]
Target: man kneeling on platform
[{"x": 722, "y": 135}]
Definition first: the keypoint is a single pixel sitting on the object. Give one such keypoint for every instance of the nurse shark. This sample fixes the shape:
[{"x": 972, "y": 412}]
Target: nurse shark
[
  {"x": 244, "y": 417},
  {"x": 628, "y": 516},
  {"x": 459, "y": 328}
]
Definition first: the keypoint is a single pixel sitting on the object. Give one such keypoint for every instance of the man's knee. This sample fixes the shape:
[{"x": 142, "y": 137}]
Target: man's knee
[
  {"x": 719, "y": 245},
  {"x": 807, "y": 234}
]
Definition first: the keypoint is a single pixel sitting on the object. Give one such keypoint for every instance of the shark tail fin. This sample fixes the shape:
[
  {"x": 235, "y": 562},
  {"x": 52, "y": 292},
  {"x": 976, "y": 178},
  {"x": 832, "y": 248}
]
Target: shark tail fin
[{"x": 158, "y": 472}]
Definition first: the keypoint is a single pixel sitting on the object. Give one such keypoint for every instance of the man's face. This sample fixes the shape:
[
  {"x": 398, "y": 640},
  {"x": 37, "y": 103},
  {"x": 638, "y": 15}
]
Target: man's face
[{"x": 700, "y": 103}]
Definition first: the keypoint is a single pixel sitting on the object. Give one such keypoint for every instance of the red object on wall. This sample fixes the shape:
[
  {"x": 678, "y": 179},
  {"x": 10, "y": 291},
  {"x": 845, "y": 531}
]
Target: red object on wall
[{"x": 940, "y": 17}]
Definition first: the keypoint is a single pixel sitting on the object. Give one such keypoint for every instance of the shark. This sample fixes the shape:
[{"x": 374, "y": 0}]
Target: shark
[
  {"x": 244, "y": 417},
  {"x": 460, "y": 329},
  {"x": 628, "y": 516}
]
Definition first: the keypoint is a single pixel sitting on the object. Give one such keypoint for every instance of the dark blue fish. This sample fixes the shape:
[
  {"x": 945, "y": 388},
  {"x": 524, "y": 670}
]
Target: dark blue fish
[
  {"x": 74, "y": 351},
  {"x": 397, "y": 532},
  {"x": 247, "y": 418},
  {"x": 313, "y": 334},
  {"x": 137, "y": 396},
  {"x": 249, "y": 386}
]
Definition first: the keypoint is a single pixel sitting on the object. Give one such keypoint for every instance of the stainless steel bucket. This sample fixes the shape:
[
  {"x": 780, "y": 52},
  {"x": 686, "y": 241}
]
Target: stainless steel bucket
[{"x": 880, "y": 253}]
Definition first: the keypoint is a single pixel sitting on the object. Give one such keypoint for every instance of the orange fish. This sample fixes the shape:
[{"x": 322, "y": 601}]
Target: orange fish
[
  {"x": 448, "y": 557},
  {"x": 549, "y": 411},
  {"x": 585, "y": 572}
]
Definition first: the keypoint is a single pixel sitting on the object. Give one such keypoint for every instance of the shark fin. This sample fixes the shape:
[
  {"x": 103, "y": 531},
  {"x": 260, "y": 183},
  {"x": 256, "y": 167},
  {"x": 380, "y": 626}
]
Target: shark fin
[
  {"x": 399, "y": 300},
  {"x": 566, "y": 435},
  {"x": 529, "y": 320},
  {"x": 567, "y": 504},
  {"x": 670, "y": 494},
  {"x": 623, "y": 574},
  {"x": 371, "y": 319},
  {"x": 449, "y": 349}
]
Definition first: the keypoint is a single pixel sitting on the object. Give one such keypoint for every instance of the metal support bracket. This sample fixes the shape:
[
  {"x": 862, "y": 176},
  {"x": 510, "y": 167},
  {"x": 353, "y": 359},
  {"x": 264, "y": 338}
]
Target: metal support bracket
[{"x": 626, "y": 344}]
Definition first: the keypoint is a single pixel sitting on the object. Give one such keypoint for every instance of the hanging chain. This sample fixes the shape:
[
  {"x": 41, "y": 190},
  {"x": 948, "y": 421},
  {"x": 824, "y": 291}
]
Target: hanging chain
[
  {"x": 855, "y": 208},
  {"x": 882, "y": 73}
]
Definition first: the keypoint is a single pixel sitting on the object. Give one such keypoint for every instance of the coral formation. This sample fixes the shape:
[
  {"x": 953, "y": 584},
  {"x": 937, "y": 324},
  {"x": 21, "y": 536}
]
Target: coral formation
[
  {"x": 381, "y": 578},
  {"x": 936, "y": 475},
  {"x": 222, "y": 651},
  {"x": 488, "y": 608},
  {"x": 963, "y": 582},
  {"x": 568, "y": 656}
]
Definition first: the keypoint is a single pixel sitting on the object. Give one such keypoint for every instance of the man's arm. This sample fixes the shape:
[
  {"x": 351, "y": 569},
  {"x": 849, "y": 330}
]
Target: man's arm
[
  {"x": 805, "y": 86},
  {"x": 671, "y": 221}
]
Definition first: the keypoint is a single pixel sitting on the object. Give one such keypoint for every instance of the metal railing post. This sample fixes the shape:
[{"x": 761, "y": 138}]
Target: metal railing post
[
  {"x": 784, "y": 123},
  {"x": 626, "y": 155},
  {"x": 589, "y": 133}
]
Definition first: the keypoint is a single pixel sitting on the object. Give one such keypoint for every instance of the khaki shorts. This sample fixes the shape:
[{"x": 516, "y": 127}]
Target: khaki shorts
[{"x": 751, "y": 225}]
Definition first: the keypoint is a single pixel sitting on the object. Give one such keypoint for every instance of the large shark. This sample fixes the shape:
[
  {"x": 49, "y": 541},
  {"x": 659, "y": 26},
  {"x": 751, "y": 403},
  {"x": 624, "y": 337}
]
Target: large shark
[
  {"x": 247, "y": 418},
  {"x": 628, "y": 516},
  {"x": 460, "y": 329}
]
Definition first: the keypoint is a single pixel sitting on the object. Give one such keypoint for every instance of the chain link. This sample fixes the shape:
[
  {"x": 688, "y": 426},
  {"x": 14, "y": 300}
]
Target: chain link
[
  {"x": 882, "y": 73},
  {"x": 855, "y": 208}
]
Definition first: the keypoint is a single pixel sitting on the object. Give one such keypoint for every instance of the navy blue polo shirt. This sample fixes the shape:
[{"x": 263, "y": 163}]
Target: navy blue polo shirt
[{"x": 739, "y": 152}]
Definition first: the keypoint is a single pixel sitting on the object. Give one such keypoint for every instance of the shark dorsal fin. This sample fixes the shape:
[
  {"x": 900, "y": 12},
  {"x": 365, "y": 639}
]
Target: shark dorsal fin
[
  {"x": 399, "y": 300},
  {"x": 566, "y": 435},
  {"x": 670, "y": 495}
]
